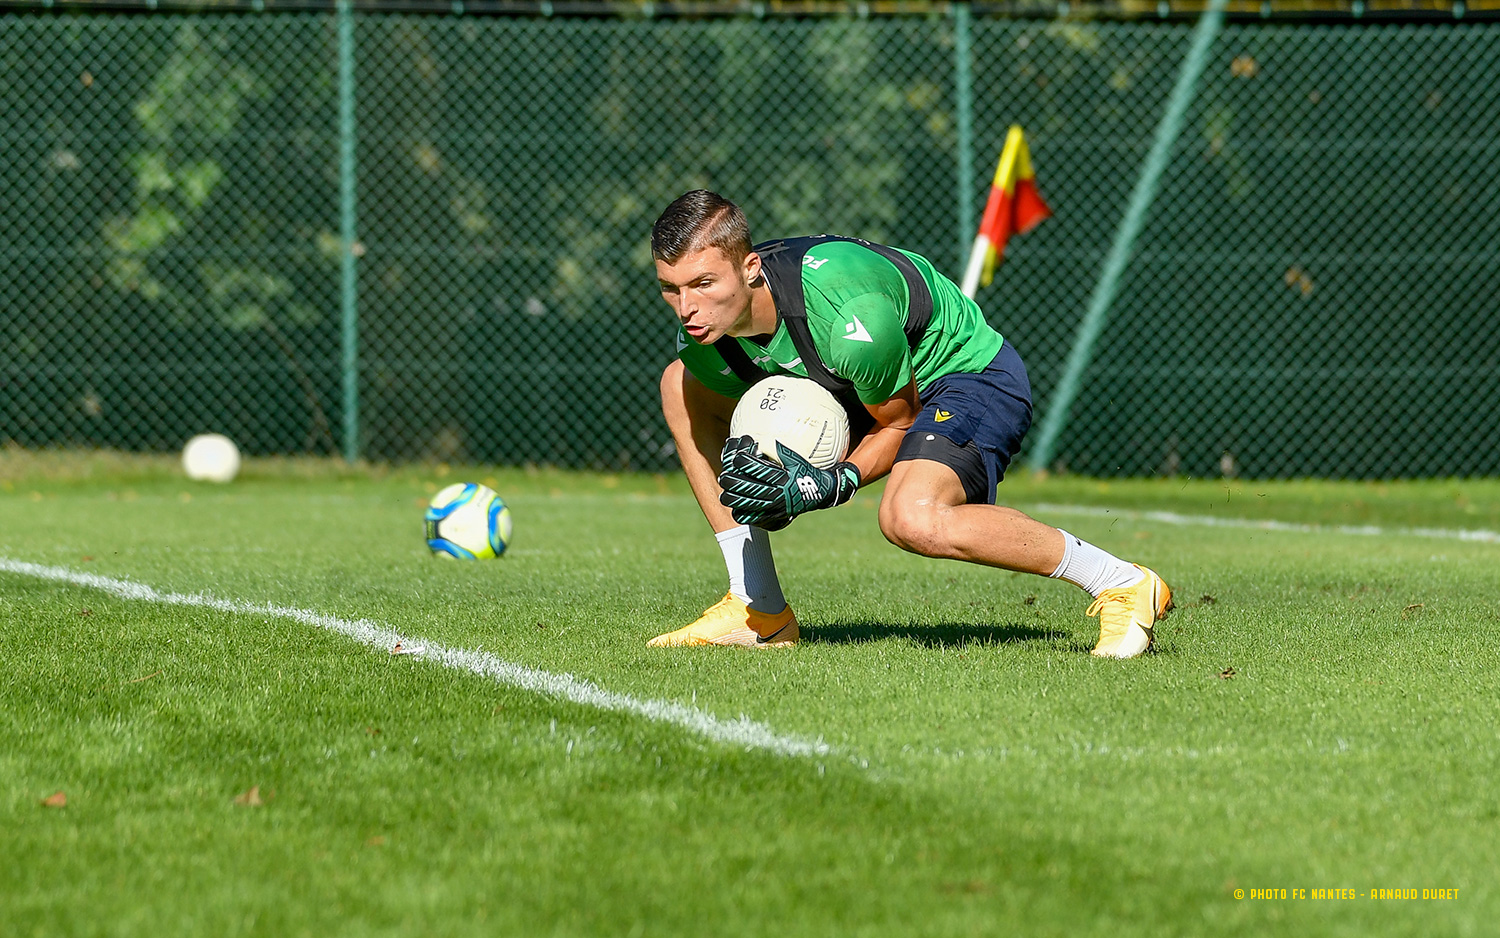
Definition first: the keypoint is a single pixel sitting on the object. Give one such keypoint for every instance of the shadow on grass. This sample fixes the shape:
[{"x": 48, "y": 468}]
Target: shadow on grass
[{"x": 939, "y": 635}]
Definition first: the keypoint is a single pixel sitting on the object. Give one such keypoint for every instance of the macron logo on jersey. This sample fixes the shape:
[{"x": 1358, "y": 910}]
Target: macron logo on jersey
[{"x": 854, "y": 329}]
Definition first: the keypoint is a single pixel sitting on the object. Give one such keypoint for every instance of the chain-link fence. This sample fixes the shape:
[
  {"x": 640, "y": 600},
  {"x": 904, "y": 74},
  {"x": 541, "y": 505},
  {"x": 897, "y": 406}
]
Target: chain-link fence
[{"x": 1313, "y": 291}]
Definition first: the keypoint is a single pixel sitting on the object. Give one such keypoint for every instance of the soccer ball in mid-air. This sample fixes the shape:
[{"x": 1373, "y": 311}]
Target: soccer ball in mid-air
[
  {"x": 211, "y": 457},
  {"x": 796, "y": 412},
  {"x": 468, "y": 520}
]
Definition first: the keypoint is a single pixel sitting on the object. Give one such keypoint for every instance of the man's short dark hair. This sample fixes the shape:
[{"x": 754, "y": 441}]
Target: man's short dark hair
[{"x": 697, "y": 220}]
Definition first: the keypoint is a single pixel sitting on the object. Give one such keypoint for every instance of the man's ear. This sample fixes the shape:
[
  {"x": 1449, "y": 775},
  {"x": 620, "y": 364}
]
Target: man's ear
[{"x": 752, "y": 268}]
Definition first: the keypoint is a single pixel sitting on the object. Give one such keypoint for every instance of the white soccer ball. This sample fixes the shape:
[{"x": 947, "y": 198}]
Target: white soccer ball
[
  {"x": 469, "y": 521},
  {"x": 211, "y": 457},
  {"x": 796, "y": 412}
]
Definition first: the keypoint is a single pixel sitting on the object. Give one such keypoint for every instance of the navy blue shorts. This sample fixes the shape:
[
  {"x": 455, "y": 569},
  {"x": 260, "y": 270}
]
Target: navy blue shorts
[{"x": 974, "y": 423}]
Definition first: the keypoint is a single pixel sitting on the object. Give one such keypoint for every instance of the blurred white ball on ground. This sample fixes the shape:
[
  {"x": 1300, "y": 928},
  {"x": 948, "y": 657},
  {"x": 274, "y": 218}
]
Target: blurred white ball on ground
[
  {"x": 797, "y": 412},
  {"x": 211, "y": 457}
]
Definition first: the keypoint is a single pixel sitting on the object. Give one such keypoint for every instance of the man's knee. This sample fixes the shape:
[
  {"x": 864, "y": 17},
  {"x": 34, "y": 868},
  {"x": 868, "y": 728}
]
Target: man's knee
[
  {"x": 912, "y": 526},
  {"x": 687, "y": 403},
  {"x": 673, "y": 393}
]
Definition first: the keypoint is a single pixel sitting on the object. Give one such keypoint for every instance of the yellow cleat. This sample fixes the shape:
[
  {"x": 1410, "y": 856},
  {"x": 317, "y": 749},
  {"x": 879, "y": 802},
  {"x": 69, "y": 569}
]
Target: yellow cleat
[
  {"x": 731, "y": 622},
  {"x": 1128, "y": 615}
]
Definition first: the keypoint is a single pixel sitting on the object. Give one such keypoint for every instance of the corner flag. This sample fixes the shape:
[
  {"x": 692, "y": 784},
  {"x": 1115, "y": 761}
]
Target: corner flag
[{"x": 1014, "y": 207}]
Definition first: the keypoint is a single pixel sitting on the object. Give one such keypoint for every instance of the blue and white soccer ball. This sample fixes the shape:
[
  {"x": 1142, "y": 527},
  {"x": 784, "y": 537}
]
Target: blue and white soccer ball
[{"x": 468, "y": 520}]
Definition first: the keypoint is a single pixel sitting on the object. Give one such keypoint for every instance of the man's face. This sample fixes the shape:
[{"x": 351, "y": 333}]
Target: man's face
[{"x": 709, "y": 293}]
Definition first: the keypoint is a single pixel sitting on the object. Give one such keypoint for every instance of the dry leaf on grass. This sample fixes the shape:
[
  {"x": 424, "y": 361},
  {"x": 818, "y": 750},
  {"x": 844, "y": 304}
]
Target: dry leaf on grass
[
  {"x": 55, "y": 800},
  {"x": 250, "y": 799}
]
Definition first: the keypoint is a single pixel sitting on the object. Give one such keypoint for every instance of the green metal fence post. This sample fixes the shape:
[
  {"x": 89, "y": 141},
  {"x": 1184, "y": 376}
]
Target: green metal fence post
[
  {"x": 964, "y": 104},
  {"x": 1130, "y": 226},
  {"x": 348, "y": 284}
]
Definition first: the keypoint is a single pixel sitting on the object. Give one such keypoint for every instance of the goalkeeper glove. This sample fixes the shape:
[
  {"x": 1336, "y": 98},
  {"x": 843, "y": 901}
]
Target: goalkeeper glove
[{"x": 758, "y": 491}]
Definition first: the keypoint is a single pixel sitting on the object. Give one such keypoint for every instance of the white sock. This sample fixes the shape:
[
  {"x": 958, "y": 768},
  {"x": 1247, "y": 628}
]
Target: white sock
[
  {"x": 1091, "y": 568},
  {"x": 752, "y": 572}
]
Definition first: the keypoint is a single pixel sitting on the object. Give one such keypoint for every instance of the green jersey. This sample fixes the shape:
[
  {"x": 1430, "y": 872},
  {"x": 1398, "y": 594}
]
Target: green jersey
[{"x": 857, "y": 303}]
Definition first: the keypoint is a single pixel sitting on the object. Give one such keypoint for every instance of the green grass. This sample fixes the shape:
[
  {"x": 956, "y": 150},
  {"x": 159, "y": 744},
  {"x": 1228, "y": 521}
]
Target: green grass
[{"x": 988, "y": 777}]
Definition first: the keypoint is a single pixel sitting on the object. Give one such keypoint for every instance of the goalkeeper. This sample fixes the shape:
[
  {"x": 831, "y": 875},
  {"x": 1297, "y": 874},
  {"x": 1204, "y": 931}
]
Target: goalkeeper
[{"x": 948, "y": 402}]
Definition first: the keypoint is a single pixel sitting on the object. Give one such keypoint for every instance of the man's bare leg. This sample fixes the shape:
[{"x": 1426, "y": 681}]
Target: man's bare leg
[
  {"x": 754, "y": 613},
  {"x": 699, "y": 421},
  {"x": 925, "y": 511}
]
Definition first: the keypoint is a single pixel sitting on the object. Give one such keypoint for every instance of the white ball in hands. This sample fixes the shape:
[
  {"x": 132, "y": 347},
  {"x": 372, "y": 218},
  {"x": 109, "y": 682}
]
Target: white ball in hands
[{"x": 797, "y": 413}]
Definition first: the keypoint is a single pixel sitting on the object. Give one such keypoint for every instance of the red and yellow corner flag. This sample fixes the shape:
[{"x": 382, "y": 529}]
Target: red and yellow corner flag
[{"x": 1014, "y": 207}]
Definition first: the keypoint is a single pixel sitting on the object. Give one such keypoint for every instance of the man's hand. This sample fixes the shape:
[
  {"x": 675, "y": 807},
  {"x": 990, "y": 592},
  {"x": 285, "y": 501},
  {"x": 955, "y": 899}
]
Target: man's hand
[{"x": 759, "y": 492}]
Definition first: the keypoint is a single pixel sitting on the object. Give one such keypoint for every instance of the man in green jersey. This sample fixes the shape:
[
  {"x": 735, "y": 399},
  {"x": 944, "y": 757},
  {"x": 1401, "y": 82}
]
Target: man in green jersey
[{"x": 948, "y": 403}]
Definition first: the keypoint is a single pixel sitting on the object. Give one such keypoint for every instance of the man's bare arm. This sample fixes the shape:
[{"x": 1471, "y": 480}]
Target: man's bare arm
[{"x": 876, "y": 453}]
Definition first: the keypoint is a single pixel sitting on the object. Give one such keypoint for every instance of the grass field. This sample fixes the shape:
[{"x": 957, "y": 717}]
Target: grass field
[{"x": 940, "y": 755}]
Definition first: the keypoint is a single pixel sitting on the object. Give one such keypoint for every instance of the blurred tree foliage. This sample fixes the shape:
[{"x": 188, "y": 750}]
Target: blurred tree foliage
[{"x": 509, "y": 172}]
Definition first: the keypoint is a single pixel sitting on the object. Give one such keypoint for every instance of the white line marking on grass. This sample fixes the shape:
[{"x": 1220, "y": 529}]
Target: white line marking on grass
[
  {"x": 743, "y": 732},
  {"x": 1208, "y": 521}
]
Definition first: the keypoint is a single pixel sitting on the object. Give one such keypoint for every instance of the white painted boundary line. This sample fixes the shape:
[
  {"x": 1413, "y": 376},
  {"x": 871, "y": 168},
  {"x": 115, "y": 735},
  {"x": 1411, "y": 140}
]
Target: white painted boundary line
[
  {"x": 1208, "y": 521},
  {"x": 743, "y": 732}
]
